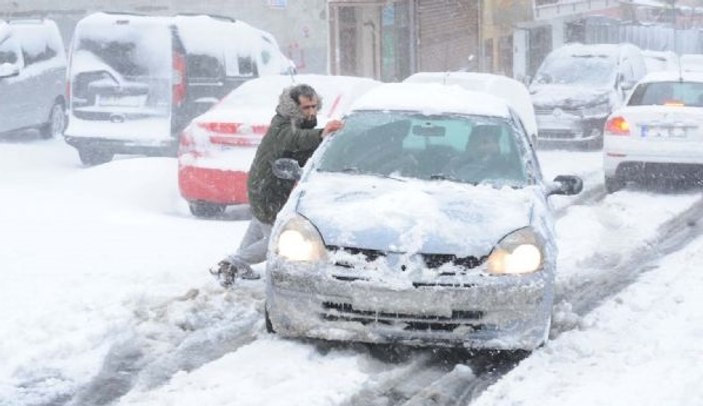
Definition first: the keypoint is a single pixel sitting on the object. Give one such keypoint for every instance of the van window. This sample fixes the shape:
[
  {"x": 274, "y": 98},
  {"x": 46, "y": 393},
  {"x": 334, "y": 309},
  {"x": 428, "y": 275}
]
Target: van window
[
  {"x": 8, "y": 51},
  {"x": 204, "y": 67},
  {"x": 37, "y": 42}
]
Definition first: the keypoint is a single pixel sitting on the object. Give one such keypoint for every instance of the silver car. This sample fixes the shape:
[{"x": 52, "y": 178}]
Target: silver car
[
  {"x": 32, "y": 77},
  {"x": 424, "y": 221}
]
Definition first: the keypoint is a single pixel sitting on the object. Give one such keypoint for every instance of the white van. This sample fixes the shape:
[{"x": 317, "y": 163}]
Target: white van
[{"x": 136, "y": 81}]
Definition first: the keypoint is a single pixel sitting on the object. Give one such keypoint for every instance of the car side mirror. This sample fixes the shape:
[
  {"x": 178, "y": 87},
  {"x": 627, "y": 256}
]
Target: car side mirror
[
  {"x": 566, "y": 185},
  {"x": 287, "y": 168},
  {"x": 8, "y": 70}
]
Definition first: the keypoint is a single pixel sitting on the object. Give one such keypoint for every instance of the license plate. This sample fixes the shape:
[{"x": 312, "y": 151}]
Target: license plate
[
  {"x": 663, "y": 132},
  {"x": 122, "y": 101}
]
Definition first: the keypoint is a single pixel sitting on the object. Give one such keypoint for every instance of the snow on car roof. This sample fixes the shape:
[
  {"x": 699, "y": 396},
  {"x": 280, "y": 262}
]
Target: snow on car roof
[
  {"x": 431, "y": 98},
  {"x": 671, "y": 76},
  {"x": 261, "y": 95},
  {"x": 577, "y": 49}
]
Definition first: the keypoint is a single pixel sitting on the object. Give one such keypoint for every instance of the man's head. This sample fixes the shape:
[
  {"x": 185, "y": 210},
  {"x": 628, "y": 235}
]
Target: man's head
[
  {"x": 484, "y": 141},
  {"x": 307, "y": 100}
]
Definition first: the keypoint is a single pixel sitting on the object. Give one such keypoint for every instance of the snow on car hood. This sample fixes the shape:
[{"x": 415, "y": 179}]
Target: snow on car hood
[
  {"x": 567, "y": 96},
  {"x": 412, "y": 216}
]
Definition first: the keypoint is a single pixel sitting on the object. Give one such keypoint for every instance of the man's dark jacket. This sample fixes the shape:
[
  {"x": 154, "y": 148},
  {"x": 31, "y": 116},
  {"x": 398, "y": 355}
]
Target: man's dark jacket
[{"x": 287, "y": 137}]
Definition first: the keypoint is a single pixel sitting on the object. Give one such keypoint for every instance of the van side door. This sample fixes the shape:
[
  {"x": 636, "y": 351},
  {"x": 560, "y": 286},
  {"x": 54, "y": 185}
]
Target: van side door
[{"x": 12, "y": 99}]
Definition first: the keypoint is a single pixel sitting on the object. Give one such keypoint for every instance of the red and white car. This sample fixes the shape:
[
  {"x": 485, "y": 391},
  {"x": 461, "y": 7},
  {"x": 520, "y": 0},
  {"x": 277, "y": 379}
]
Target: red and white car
[
  {"x": 658, "y": 133},
  {"x": 217, "y": 148}
]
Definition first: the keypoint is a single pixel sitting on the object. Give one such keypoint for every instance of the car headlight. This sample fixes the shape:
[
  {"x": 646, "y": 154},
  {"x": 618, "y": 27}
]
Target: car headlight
[
  {"x": 300, "y": 241},
  {"x": 519, "y": 252}
]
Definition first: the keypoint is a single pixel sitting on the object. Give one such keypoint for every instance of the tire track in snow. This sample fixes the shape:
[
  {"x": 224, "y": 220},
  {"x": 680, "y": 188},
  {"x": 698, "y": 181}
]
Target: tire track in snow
[
  {"x": 671, "y": 236},
  {"x": 467, "y": 381},
  {"x": 179, "y": 334}
]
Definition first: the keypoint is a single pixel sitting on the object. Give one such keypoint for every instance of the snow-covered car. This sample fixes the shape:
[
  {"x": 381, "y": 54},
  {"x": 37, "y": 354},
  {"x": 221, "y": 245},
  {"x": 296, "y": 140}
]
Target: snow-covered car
[
  {"x": 394, "y": 234},
  {"x": 578, "y": 86},
  {"x": 656, "y": 61},
  {"x": 217, "y": 148},
  {"x": 32, "y": 77},
  {"x": 511, "y": 90},
  {"x": 136, "y": 81},
  {"x": 658, "y": 133}
]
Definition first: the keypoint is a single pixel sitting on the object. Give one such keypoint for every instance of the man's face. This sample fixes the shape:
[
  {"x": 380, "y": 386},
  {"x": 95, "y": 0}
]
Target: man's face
[{"x": 308, "y": 105}]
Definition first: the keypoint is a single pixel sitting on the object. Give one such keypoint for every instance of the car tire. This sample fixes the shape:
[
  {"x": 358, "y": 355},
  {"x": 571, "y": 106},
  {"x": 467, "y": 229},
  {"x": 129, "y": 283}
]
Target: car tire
[
  {"x": 56, "y": 124},
  {"x": 206, "y": 210},
  {"x": 269, "y": 325},
  {"x": 92, "y": 156},
  {"x": 613, "y": 184}
]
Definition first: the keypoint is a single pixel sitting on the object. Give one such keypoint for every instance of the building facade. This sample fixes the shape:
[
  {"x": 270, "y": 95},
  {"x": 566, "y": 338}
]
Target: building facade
[{"x": 392, "y": 39}]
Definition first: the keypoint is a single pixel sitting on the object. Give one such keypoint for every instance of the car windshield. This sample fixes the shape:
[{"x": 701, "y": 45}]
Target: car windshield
[
  {"x": 668, "y": 93},
  {"x": 592, "y": 70},
  {"x": 467, "y": 149}
]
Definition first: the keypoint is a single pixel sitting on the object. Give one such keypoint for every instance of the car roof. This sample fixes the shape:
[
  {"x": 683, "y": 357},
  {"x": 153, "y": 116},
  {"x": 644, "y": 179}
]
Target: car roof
[
  {"x": 579, "y": 49},
  {"x": 671, "y": 76},
  {"x": 431, "y": 98},
  {"x": 515, "y": 93},
  {"x": 103, "y": 18}
]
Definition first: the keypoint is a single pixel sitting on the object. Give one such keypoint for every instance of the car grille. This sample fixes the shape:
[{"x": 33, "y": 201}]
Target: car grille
[
  {"x": 432, "y": 261},
  {"x": 339, "y": 311},
  {"x": 557, "y": 134}
]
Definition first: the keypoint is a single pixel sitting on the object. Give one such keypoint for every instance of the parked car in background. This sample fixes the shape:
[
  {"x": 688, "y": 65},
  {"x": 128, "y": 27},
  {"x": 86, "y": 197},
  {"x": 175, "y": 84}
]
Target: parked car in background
[
  {"x": 578, "y": 86},
  {"x": 400, "y": 232},
  {"x": 660, "y": 60},
  {"x": 515, "y": 93},
  {"x": 32, "y": 77},
  {"x": 658, "y": 133},
  {"x": 217, "y": 148},
  {"x": 136, "y": 81}
]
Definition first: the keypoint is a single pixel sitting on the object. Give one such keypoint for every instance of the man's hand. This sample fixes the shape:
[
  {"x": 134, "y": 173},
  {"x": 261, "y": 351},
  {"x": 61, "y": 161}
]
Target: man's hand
[
  {"x": 332, "y": 126},
  {"x": 225, "y": 273}
]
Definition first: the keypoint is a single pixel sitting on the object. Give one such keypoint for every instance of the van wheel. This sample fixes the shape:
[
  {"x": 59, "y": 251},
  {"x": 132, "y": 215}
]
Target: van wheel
[
  {"x": 207, "y": 210},
  {"x": 613, "y": 184},
  {"x": 92, "y": 156},
  {"x": 57, "y": 122}
]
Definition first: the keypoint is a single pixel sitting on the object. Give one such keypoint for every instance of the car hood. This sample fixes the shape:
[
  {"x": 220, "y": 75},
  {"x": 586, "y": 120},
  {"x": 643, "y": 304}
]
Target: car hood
[
  {"x": 564, "y": 96},
  {"x": 412, "y": 216}
]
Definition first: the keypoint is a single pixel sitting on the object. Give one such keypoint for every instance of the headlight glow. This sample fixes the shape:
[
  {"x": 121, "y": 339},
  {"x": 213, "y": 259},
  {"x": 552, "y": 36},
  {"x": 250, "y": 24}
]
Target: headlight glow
[
  {"x": 518, "y": 253},
  {"x": 299, "y": 241}
]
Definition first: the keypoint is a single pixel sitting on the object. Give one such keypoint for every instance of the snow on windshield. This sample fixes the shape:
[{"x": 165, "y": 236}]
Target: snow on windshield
[
  {"x": 593, "y": 70},
  {"x": 133, "y": 46}
]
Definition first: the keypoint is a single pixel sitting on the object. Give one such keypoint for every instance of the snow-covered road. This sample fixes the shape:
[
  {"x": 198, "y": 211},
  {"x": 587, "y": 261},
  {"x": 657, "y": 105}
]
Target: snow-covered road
[{"x": 105, "y": 298}]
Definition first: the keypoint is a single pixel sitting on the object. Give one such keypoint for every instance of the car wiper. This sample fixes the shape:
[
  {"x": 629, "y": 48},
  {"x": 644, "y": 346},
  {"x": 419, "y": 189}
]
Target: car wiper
[
  {"x": 441, "y": 176},
  {"x": 357, "y": 171}
]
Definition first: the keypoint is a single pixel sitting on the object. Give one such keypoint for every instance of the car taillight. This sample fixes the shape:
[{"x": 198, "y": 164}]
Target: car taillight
[
  {"x": 234, "y": 133},
  {"x": 179, "y": 79},
  {"x": 617, "y": 126}
]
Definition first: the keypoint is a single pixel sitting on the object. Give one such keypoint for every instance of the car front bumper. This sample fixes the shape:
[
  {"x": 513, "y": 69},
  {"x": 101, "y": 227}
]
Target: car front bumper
[
  {"x": 481, "y": 311},
  {"x": 633, "y": 158},
  {"x": 569, "y": 128}
]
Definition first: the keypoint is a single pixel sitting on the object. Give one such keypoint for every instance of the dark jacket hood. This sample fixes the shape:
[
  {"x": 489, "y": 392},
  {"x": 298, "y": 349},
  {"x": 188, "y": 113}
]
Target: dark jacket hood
[{"x": 288, "y": 108}]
